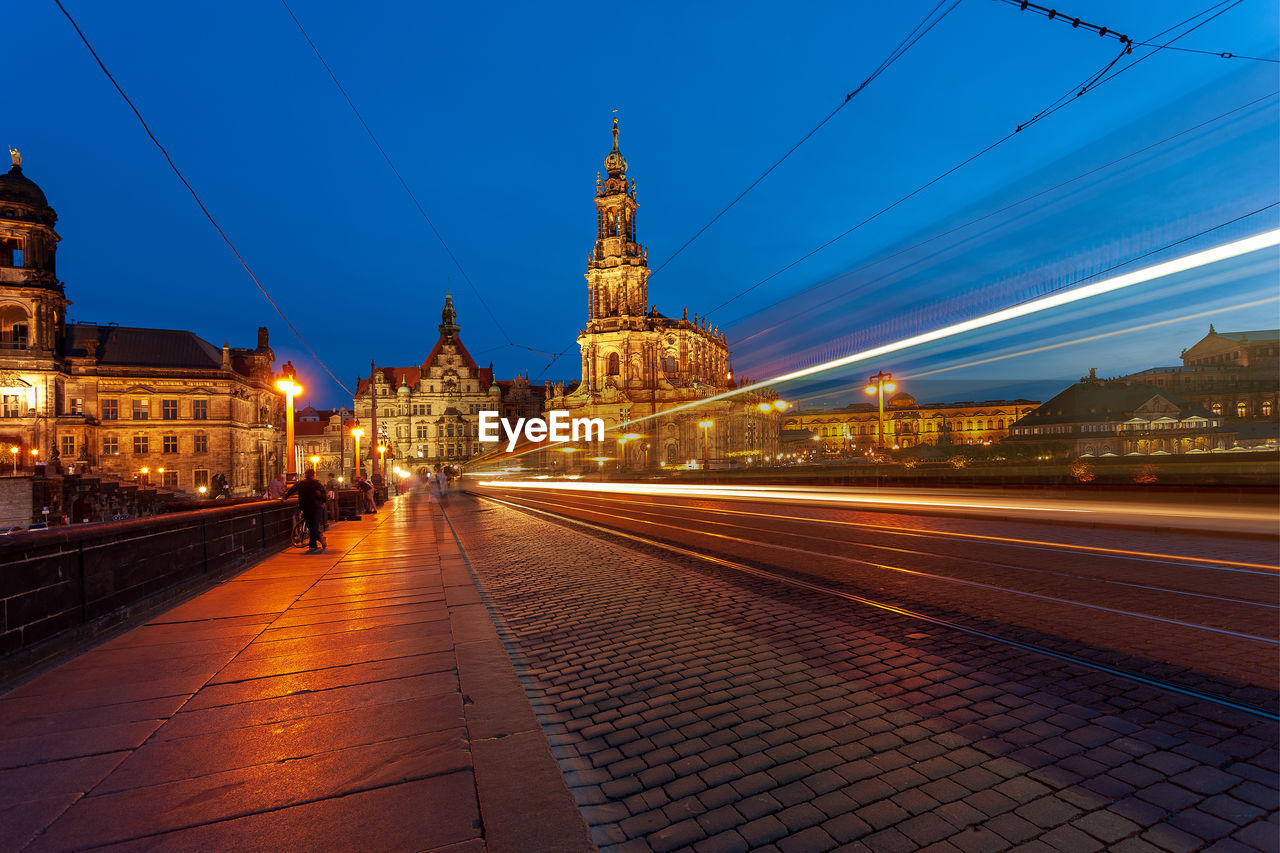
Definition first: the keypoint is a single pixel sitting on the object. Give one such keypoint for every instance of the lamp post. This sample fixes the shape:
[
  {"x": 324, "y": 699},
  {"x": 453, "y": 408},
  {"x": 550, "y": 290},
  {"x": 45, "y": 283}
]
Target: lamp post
[
  {"x": 881, "y": 383},
  {"x": 706, "y": 443},
  {"x": 622, "y": 453},
  {"x": 13, "y": 452},
  {"x": 146, "y": 475},
  {"x": 315, "y": 463},
  {"x": 35, "y": 457},
  {"x": 382, "y": 461},
  {"x": 357, "y": 434},
  {"x": 289, "y": 388}
]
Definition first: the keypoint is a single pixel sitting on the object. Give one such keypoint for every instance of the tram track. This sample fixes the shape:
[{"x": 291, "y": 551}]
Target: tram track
[{"x": 789, "y": 564}]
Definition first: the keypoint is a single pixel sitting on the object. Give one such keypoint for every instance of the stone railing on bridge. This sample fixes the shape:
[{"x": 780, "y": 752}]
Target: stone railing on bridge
[{"x": 64, "y": 586}]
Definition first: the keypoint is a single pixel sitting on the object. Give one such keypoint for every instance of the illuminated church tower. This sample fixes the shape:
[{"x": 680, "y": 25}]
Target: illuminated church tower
[
  {"x": 638, "y": 365},
  {"x": 618, "y": 268}
]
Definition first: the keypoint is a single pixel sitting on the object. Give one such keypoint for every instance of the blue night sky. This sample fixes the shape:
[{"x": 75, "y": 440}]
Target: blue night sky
[{"x": 497, "y": 115}]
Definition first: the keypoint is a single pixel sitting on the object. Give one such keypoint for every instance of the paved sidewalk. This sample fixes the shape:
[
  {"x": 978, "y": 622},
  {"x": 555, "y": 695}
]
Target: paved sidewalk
[{"x": 357, "y": 699}]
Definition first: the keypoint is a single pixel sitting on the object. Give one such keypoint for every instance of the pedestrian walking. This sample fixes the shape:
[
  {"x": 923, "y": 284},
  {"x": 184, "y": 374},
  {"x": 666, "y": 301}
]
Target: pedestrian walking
[
  {"x": 311, "y": 500},
  {"x": 442, "y": 481}
]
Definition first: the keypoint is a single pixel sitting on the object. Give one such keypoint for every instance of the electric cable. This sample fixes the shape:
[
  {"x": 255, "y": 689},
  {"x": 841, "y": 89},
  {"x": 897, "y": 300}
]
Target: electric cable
[
  {"x": 199, "y": 202},
  {"x": 903, "y": 46},
  {"x": 1092, "y": 82}
]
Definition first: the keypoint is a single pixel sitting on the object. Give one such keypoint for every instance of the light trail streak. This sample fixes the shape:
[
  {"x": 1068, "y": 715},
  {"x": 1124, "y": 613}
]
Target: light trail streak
[
  {"x": 1207, "y": 563},
  {"x": 759, "y": 543},
  {"x": 880, "y": 605},
  {"x": 642, "y": 509},
  {"x": 1195, "y": 260},
  {"x": 1105, "y": 513},
  {"x": 1091, "y": 338}
]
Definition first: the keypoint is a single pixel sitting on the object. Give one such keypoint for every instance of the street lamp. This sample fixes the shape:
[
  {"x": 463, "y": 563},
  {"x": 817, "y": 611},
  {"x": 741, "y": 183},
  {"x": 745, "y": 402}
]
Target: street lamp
[
  {"x": 382, "y": 461},
  {"x": 315, "y": 463},
  {"x": 357, "y": 434},
  {"x": 35, "y": 455},
  {"x": 880, "y": 383},
  {"x": 781, "y": 405},
  {"x": 13, "y": 451},
  {"x": 706, "y": 443},
  {"x": 289, "y": 388},
  {"x": 145, "y": 472}
]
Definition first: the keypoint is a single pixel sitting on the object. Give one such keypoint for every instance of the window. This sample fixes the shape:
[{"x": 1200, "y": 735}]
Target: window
[
  {"x": 423, "y": 431},
  {"x": 199, "y": 477},
  {"x": 615, "y": 365},
  {"x": 13, "y": 406},
  {"x": 68, "y": 443},
  {"x": 448, "y": 430},
  {"x": 75, "y": 406},
  {"x": 169, "y": 444},
  {"x": 139, "y": 445},
  {"x": 110, "y": 409},
  {"x": 1216, "y": 408},
  {"x": 13, "y": 324},
  {"x": 1266, "y": 408},
  {"x": 140, "y": 409},
  {"x": 169, "y": 479},
  {"x": 201, "y": 443},
  {"x": 1242, "y": 410},
  {"x": 169, "y": 410},
  {"x": 110, "y": 445},
  {"x": 421, "y": 409},
  {"x": 200, "y": 410}
]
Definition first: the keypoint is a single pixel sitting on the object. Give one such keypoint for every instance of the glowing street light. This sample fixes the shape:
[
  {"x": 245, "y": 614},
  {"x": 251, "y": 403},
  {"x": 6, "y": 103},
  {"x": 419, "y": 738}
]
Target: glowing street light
[
  {"x": 357, "y": 434},
  {"x": 706, "y": 442},
  {"x": 382, "y": 460},
  {"x": 290, "y": 389},
  {"x": 13, "y": 451},
  {"x": 315, "y": 462},
  {"x": 146, "y": 473},
  {"x": 203, "y": 490},
  {"x": 880, "y": 383},
  {"x": 781, "y": 405}
]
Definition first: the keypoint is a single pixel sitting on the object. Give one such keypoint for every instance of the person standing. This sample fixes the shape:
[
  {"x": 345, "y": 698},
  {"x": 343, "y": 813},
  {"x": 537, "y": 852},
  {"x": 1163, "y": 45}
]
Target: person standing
[
  {"x": 275, "y": 489},
  {"x": 331, "y": 498},
  {"x": 311, "y": 500},
  {"x": 366, "y": 491}
]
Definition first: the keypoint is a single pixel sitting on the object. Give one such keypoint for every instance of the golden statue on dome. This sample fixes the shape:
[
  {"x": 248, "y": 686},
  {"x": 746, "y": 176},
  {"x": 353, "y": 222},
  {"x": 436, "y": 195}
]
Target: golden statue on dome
[{"x": 15, "y": 156}]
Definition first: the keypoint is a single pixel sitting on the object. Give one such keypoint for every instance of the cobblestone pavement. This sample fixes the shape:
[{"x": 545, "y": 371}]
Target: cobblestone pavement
[{"x": 692, "y": 707}]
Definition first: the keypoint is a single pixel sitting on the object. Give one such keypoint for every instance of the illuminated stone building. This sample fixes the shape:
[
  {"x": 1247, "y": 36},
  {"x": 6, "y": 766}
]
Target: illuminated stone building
[
  {"x": 853, "y": 429},
  {"x": 1232, "y": 375},
  {"x": 428, "y": 414},
  {"x": 638, "y": 363},
  {"x": 117, "y": 399},
  {"x": 1112, "y": 417},
  {"x": 323, "y": 433}
]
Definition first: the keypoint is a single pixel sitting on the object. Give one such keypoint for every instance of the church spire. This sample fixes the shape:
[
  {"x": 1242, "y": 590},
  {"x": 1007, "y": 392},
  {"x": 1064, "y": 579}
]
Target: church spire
[{"x": 449, "y": 319}]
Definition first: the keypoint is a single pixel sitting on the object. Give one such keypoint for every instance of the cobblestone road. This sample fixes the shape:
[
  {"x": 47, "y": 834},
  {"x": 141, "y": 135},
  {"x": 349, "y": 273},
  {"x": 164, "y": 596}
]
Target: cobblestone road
[{"x": 695, "y": 708}]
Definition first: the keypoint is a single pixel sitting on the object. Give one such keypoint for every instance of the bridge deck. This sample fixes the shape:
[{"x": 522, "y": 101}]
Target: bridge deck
[{"x": 358, "y": 697}]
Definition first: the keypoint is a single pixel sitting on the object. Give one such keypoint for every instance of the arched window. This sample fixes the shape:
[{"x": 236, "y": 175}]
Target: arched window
[
  {"x": 1266, "y": 408},
  {"x": 615, "y": 366},
  {"x": 1216, "y": 408},
  {"x": 1242, "y": 410},
  {"x": 671, "y": 454},
  {"x": 14, "y": 329}
]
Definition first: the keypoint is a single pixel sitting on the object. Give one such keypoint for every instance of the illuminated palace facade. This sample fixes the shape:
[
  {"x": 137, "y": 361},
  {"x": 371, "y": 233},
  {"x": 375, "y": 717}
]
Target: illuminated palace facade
[
  {"x": 853, "y": 428},
  {"x": 428, "y": 414},
  {"x": 638, "y": 364},
  {"x": 115, "y": 399}
]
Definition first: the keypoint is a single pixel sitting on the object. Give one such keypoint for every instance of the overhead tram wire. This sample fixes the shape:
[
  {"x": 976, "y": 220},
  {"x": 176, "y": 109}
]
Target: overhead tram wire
[
  {"x": 198, "y": 201},
  {"x": 982, "y": 218},
  {"x": 903, "y": 46},
  {"x": 421, "y": 210},
  {"x": 920, "y": 31},
  {"x": 1092, "y": 82}
]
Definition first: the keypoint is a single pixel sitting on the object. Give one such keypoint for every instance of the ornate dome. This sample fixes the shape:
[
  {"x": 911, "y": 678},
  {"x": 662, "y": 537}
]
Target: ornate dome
[
  {"x": 901, "y": 400},
  {"x": 17, "y": 187},
  {"x": 614, "y": 162}
]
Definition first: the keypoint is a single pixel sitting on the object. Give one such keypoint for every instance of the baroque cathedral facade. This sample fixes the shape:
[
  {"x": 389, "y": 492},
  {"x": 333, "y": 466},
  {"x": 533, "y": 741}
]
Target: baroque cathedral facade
[{"x": 645, "y": 374}]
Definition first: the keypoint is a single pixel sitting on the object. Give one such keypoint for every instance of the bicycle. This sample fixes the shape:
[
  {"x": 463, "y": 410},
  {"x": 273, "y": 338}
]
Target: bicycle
[{"x": 300, "y": 536}]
